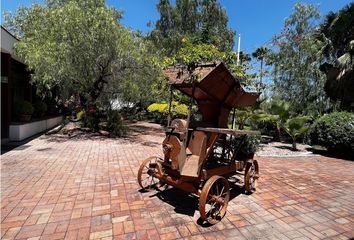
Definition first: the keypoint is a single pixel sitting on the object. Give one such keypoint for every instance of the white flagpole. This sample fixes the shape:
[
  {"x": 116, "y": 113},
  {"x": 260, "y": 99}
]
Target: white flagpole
[
  {"x": 238, "y": 49},
  {"x": 237, "y": 63}
]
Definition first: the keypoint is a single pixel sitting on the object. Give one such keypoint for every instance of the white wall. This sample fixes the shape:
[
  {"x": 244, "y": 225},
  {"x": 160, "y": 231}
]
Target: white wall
[
  {"x": 26, "y": 130},
  {"x": 7, "y": 44}
]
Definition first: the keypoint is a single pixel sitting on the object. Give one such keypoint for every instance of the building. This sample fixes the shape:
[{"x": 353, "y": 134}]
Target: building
[
  {"x": 16, "y": 86},
  {"x": 15, "y": 81}
]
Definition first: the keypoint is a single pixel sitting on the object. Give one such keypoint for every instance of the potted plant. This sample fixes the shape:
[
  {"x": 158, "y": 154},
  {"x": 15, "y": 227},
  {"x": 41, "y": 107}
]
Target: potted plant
[
  {"x": 248, "y": 148},
  {"x": 23, "y": 110},
  {"x": 40, "y": 108}
]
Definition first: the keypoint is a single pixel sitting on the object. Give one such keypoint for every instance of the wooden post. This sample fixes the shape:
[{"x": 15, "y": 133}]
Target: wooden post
[
  {"x": 189, "y": 117},
  {"x": 233, "y": 119},
  {"x": 169, "y": 107}
]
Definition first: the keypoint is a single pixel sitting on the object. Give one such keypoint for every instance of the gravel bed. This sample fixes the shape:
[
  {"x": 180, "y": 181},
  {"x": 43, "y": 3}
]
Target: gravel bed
[{"x": 279, "y": 149}]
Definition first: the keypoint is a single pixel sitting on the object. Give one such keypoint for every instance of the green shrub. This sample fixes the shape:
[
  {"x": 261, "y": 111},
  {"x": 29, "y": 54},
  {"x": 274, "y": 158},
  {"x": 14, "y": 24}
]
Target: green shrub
[
  {"x": 52, "y": 107},
  {"x": 23, "y": 108},
  {"x": 159, "y": 111},
  {"x": 40, "y": 108},
  {"x": 115, "y": 123},
  {"x": 296, "y": 127},
  {"x": 80, "y": 115},
  {"x": 249, "y": 146},
  {"x": 335, "y": 131}
]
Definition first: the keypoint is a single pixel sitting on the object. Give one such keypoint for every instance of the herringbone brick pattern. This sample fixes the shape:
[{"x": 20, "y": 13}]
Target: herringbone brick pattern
[{"x": 77, "y": 188}]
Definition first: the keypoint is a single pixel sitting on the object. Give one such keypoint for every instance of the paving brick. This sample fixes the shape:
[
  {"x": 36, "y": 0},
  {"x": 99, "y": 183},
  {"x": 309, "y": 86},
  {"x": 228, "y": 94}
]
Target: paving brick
[
  {"x": 30, "y": 231},
  {"x": 86, "y": 188},
  {"x": 101, "y": 234}
]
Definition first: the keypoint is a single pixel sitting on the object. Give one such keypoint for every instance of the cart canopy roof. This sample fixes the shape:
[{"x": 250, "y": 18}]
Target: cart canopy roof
[
  {"x": 216, "y": 90},
  {"x": 213, "y": 83}
]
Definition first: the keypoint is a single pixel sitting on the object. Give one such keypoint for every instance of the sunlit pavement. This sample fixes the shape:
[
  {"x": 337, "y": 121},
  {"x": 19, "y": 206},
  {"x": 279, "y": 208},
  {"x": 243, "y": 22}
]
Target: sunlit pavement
[{"x": 77, "y": 188}]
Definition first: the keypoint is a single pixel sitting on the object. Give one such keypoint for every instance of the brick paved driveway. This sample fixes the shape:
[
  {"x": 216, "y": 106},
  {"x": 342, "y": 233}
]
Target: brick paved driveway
[{"x": 56, "y": 188}]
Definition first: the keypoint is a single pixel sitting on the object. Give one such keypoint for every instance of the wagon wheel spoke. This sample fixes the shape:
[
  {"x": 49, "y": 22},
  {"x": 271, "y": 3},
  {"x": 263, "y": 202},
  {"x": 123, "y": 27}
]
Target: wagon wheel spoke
[
  {"x": 251, "y": 177},
  {"x": 146, "y": 175},
  {"x": 222, "y": 190},
  {"x": 214, "y": 199}
]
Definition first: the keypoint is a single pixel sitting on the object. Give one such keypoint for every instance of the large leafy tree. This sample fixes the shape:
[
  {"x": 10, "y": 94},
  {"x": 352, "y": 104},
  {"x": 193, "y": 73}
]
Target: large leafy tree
[
  {"x": 338, "y": 52},
  {"x": 338, "y": 30},
  {"x": 296, "y": 60},
  {"x": 260, "y": 54},
  {"x": 79, "y": 49},
  {"x": 202, "y": 21}
]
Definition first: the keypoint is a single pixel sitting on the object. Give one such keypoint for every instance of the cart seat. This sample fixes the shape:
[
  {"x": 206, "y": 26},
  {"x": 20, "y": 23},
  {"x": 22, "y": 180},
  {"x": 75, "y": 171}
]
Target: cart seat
[
  {"x": 196, "y": 152},
  {"x": 179, "y": 127}
]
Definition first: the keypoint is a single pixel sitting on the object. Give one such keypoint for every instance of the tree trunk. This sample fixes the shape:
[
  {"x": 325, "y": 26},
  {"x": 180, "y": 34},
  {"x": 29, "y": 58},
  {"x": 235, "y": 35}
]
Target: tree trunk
[
  {"x": 240, "y": 126},
  {"x": 97, "y": 88},
  {"x": 276, "y": 137},
  {"x": 294, "y": 145}
]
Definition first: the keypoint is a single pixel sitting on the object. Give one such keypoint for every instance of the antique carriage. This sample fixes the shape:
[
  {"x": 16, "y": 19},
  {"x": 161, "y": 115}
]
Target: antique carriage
[{"x": 198, "y": 156}]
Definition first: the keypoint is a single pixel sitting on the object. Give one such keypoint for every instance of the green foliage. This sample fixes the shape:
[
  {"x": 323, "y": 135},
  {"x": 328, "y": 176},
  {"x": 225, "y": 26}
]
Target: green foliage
[
  {"x": 204, "y": 22},
  {"x": 176, "y": 108},
  {"x": 338, "y": 31},
  {"x": 80, "y": 115},
  {"x": 191, "y": 54},
  {"x": 160, "y": 111},
  {"x": 249, "y": 146},
  {"x": 79, "y": 49},
  {"x": 158, "y": 107},
  {"x": 335, "y": 131},
  {"x": 296, "y": 61},
  {"x": 23, "y": 108},
  {"x": 260, "y": 54},
  {"x": 296, "y": 127},
  {"x": 52, "y": 107},
  {"x": 115, "y": 124},
  {"x": 40, "y": 108},
  {"x": 277, "y": 112}
]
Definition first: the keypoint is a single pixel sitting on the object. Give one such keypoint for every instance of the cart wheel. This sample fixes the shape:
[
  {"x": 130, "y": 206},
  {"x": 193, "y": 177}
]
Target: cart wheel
[
  {"x": 146, "y": 179},
  {"x": 251, "y": 177},
  {"x": 213, "y": 199}
]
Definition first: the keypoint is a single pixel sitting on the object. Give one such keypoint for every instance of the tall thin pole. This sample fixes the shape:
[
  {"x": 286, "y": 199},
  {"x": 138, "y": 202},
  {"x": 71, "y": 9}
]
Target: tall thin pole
[
  {"x": 237, "y": 63},
  {"x": 238, "y": 50}
]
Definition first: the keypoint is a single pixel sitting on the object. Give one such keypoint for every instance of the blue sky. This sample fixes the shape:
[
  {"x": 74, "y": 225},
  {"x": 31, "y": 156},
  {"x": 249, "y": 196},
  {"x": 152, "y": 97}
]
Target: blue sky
[{"x": 256, "y": 20}]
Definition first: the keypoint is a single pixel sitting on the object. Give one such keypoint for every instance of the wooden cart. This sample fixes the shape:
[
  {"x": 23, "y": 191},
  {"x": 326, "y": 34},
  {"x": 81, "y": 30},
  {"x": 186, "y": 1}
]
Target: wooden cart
[{"x": 198, "y": 156}]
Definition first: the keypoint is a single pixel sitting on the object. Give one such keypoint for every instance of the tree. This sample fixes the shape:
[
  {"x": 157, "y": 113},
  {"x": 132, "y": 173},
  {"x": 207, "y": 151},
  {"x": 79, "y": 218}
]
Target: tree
[
  {"x": 296, "y": 60},
  {"x": 79, "y": 48},
  {"x": 278, "y": 112},
  {"x": 260, "y": 54},
  {"x": 338, "y": 33},
  {"x": 201, "y": 21},
  {"x": 296, "y": 127}
]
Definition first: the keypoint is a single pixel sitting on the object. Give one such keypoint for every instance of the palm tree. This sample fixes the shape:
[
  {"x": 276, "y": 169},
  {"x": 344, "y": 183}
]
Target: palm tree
[
  {"x": 338, "y": 52},
  {"x": 296, "y": 127},
  {"x": 278, "y": 113},
  {"x": 260, "y": 54}
]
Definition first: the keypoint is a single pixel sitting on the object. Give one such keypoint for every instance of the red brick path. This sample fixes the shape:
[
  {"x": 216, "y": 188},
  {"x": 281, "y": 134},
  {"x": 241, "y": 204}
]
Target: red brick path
[{"x": 56, "y": 188}]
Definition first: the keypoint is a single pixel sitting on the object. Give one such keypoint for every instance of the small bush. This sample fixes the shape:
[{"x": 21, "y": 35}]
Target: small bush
[
  {"x": 115, "y": 123},
  {"x": 249, "y": 147},
  {"x": 265, "y": 127},
  {"x": 23, "y": 108},
  {"x": 40, "y": 108},
  {"x": 335, "y": 131},
  {"x": 52, "y": 108},
  {"x": 159, "y": 111},
  {"x": 80, "y": 115}
]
